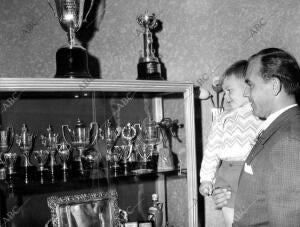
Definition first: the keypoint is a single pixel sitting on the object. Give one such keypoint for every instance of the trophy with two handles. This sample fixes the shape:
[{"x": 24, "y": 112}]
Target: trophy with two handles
[{"x": 71, "y": 59}]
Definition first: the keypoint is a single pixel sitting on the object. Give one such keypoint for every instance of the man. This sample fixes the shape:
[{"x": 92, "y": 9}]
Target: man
[{"x": 269, "y": 185}]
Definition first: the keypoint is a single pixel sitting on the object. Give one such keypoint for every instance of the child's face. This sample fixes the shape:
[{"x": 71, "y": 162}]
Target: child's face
[{"x": 234, "y": 91}]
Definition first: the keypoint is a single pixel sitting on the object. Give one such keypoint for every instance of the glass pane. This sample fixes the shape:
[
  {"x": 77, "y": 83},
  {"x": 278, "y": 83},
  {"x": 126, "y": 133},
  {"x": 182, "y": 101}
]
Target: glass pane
[{"x": 68, "y": 143}]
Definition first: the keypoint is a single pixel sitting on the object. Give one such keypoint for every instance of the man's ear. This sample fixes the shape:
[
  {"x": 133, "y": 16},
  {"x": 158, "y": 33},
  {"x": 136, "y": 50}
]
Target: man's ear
[{"x": 276, "y": 86}]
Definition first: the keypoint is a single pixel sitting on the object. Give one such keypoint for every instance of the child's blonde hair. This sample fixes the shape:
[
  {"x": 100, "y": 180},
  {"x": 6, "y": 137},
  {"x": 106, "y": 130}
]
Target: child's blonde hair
[{"x": 237, "y": 69}]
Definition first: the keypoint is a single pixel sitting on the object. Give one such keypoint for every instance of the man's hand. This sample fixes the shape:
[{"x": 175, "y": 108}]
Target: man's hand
[
  {"x": 221, "y": 196},
  {"x": 206, "y": 188}
]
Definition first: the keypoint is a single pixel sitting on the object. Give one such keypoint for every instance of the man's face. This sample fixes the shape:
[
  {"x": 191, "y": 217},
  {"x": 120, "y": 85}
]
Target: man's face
[{"x": 258, "y": 91}]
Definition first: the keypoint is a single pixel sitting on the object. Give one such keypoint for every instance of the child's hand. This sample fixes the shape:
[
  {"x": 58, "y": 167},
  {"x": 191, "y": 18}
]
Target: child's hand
[{"x": 206, "y": 188}]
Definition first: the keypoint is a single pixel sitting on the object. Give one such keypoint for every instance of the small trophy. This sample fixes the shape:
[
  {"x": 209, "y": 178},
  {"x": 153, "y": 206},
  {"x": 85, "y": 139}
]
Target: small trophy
[
  {"x": 150, "y": 133},
  {"x": 25, "y": 143},
  {"x": 151, "y": 137},
  {"x": 82, "y": 138},
  {"x": 129, "y": 133},
  {"x": 6, "y": 141},
  {"x": 110, "y": 135},
  {"x": 169, "y": 129},
  {"x": 64, "y": 154},
  {"x": 71, "y": 60},
  {"x": 116, "y": 156},
  {"x": 149, "y": 67},
  {"x": 50, "y": 141},
  {"x": 10, "y": 159},
  {"x": 41, "y": 157}
]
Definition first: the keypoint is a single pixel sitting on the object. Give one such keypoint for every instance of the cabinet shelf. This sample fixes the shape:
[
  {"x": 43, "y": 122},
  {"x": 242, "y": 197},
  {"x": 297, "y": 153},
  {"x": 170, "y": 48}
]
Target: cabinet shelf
[{"x": 15, "y": 185}]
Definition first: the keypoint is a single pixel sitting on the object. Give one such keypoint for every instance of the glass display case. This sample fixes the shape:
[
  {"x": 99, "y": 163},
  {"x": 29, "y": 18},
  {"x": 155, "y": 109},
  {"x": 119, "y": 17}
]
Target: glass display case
[{"x": 72, "y": 140}]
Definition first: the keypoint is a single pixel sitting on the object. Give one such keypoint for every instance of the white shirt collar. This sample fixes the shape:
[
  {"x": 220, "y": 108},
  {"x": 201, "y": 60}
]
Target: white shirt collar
[{"x": 265, "y": 124}]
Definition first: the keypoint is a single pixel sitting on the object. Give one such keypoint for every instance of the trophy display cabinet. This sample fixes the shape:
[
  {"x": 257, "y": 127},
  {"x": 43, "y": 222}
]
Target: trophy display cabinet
[{"x": 99, "y": 145}]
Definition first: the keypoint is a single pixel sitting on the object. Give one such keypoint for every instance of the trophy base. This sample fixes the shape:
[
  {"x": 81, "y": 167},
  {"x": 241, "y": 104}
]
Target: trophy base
[
  {"x": 72, "y": 63},
  {"x": 149, "y": 71}
]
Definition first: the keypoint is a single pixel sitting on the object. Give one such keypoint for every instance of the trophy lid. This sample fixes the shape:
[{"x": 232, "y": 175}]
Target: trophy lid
[
  {"x": 79, "y": 124},
  {"x": 24, "y": 128},
  {"x": 147, "y": 21}
]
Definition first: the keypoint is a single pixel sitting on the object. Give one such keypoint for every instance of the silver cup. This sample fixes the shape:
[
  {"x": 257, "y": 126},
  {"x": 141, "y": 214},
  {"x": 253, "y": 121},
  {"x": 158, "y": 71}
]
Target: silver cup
[
  {"x": 129, "y": 134},
  {"x": 70, "y": 16},
  {"x": 10, "y": 160},
  {"x": 50, "y": 141},
  {"x": 6, "y": 141},
  {"x": 109, "y": 134},
  {"x": 25, "y": 143},
  {"x": 72, "y": 60},
  {"x": 116, "y": 156},
  {"x": 81, "y": 138},
  {"x": 64, "y": 153},
  {"x": 41, "y": 157},
  {"x": 150, "y": 134}
]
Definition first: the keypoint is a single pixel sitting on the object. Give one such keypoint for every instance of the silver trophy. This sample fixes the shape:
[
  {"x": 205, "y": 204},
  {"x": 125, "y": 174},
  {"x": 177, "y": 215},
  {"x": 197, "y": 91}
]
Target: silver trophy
[
  {"x": 129, "y": 133},
  {"x": 150, "y": 137},
  {"x": 6, "y": 141},
  {"x": 71, "y": 60},
  {"x": 149, "y": 67},
  {"x": 116, "y": 156},
  {"x": 110, "y": 135},
  {"x": 50, "y": 141},
  {"x": 64, "y": 153},
  {"x": 25, "y": 142},
  {"x": 150, "y": 133},
  {"x": 10, "y": 159},
  {"x": 41, "y": 157},
  {"x": 81, "y": 138}
]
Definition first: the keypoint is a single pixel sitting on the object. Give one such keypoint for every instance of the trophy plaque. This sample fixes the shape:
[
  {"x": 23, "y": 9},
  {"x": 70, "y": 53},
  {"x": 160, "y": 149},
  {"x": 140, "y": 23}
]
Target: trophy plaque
[
  {"x": 149, "y": 67},
  {"x": 71, "y": 60}
]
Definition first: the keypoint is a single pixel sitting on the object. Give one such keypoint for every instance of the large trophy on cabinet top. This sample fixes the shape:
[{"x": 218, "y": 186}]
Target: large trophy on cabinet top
[
  {"x": 149, "y": 67},
  {"x": 81, "y": 138},
  {"x": 71, "y": 60}
]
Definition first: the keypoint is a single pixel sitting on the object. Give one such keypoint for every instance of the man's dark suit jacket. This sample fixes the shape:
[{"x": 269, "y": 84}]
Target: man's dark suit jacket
[{"x": 269, "y": 185}]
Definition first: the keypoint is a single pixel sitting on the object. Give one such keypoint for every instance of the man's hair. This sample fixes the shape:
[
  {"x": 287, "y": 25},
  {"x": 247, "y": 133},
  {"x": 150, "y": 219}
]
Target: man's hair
[
  {"x": 237, "y": 69},
  {"x": 282, "y": 65}
]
